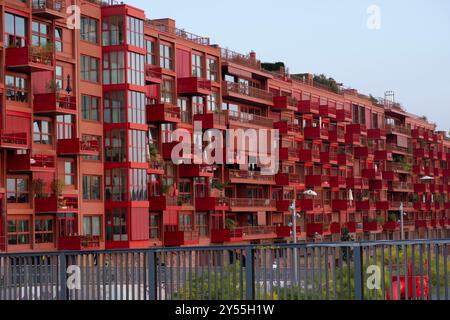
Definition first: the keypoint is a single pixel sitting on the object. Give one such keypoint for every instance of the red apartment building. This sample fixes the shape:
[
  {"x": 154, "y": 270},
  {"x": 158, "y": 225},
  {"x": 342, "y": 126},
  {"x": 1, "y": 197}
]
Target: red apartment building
[{"x": 85, "y": 142}]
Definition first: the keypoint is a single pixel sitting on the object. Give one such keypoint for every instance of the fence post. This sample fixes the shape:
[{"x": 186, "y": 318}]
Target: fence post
[
  {"x": 249, "y": 273},
  {"x": 62, "y": 277},
  {"x": 152, "y": 274},
  {"x": 358, "y": 273}
]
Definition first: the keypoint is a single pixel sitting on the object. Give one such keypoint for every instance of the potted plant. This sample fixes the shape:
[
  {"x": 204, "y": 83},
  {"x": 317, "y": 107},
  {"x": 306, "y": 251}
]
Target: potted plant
[
  {"x": 217, "y": 188},
  {"x": 164, "y": 188},
  {"x": 57, "y": 188},
  {"x": 38, "y": 188}
]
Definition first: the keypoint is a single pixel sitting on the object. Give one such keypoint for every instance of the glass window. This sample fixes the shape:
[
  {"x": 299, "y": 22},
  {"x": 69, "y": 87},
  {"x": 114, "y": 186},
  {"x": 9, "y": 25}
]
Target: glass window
[
  {"x": 15, "y": 31},
  {"x": 16, "y": 88},
  {"x": 116, "y": 224},
  {"x": 197, "y": 65},
  {"x": 89, "y": 29},
  {"x": 114, "y": 67},
  {"x": 58, "y": 40},
  {"x": 42, "y": 132},
  {"x": 44, "y": 230},
  {"x": 135, "y": 32},
  {"x": 92, "y": 226},
  {"x": 151, "y": 52},
  {"x": 166, "y": 56},
  {"x": 17, "y": 189},
  {"x": 212, "y": 69},
  {"x": 69, "y": 173},
  {"x": 90, "y": 108},
  {"x": 18, "y": 231},
  {"x": 91, "y": 188},
  {"x": 112, "y": 30},
  {"x": 114, "y": 107},
  {"x": 40, "y": 34},
  {"x": 89, "y": 68},
  {"x": 167, "y": 90}
]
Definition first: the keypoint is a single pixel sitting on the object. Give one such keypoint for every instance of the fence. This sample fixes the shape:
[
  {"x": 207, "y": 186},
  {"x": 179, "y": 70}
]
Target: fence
[{"x": 344, "y": 271}]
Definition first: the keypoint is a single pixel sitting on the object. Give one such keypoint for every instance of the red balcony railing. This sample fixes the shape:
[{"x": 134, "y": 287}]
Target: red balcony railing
[
  {"x": 181, "y": 238},
  {"x": 242, "y": 176},
  {"x": 317, "y": 181},
  {"x": 314, "y": 228},
  {"x": 283, "y": 232},
  {"x": 395, "y": 129},
  {"x": 246, "y": 119},
  {"x": 285, "y": 103},
  {"x": 244, "y": 60},
  {"x": 49, "y": 9},
  {"x": 345, "y": 159},
  {"x": 254, "y": 231},
  {"x": 212, "y": 204},
  {"x": 327, "y": 110},
  {"x": 340, "y": 205},
  {"x": 220, "y": 235},
  {"x": 194, "y": 86},
  {"x": 165, "y": 113},
  {"x": 253, "y": 204},
  {"x": 54, "y": 103},
  {"x": 309, "y": 155},
  {"x": 245, "y": 91},
  {"x": 315, "y": 133},
  {"x": 217, "y": 120},
  {"x": 376, "y": 134},
  {"x": 67, "y": 203},
  {"x": 153, "y": 75},
  {"x": 343, "y": 115},
  {"x": 77, "y": 146},
  {"x": 30, "y": 58},
  {"x": 338, "y": 182},
  {"x": 372, "y": 226},
  {"x": 195, "y": 170},
  {"x": 78, "y": 243},
  {"x": 308, "y": 106},
  {"x": 13, "y": 140},
  {"x": 27, "y": 162}
]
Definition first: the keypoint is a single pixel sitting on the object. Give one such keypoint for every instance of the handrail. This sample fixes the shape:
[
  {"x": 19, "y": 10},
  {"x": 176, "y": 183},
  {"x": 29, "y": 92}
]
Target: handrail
[{"x": 181, "y": 33}]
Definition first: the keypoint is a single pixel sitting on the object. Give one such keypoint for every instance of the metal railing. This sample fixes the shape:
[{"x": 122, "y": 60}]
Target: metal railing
[
  {"x": 56, "y": 5},
  {"x": 406, "y": 270},
  {"x": 250, "y": 175},
  {"x": 239, "y": 88},
  {"x": 161, "y": 27},
  {"x": 239, "y": 58}
]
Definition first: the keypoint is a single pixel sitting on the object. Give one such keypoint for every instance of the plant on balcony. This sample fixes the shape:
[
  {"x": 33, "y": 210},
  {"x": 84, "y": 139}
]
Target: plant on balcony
[
  {"x": 230, "y": 224},
  {"x": 392, "y": 217},
  {"x": 57, "y": 188},
  {"x": 380, "y": 219},
  {"x": 164, "y": 188},
  {"x": 38, "y": 188}
]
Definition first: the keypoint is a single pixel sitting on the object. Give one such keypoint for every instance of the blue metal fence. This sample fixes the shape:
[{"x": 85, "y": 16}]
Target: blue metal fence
[{"x": 345, "y": 271}]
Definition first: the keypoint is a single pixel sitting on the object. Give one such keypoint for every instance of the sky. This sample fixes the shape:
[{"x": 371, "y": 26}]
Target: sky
[{"x": 409, "y": 53}]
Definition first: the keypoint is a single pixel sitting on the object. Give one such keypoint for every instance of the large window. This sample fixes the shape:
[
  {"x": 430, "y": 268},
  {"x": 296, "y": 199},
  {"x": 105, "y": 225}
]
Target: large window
[
  {"x": 58, "y": 40},
  {"x": 137, "y": 144},
  {"x": 154, "y": 225},
  {"x": 167, "y": 90},
  {"x": 138, "y": 185},
  {"x": 114, "y": 67},
  {"x": 151, "y": 52},
  {"x": 116, "y": 185},
  {"x": 136, "y": 67},
  {"x": 185, "y": 222},
  {"x": 90, "y": 138},
  {"x": 40, "y": 34},
  {"x": 42, "y": 132},
  {"x": 112, "y": 30},
  {"x": 115, "y": 146},
  {"x": 114, "y": 106},
  {"x": 69, "y": 172},
  {"x": 201, "y": 224},
  {"x": 91, "y": 188},
  {"x": 92, "y": 226},
  {"x": 65, "y": 127},
  {"x": 197, "y": 65},
  {"x": 135, "y": 32},
  {"x": 59, "y": 77},
  {"x": 136, "y": 107},
  {"x": 44, "y": 230},
  {"x": 212, "y": 101},
  {"x": 89, "y": 68},
  {"x": 166, "y": 56},
  {"x": 90, "y": 108},
  {"x": 16, "y": 88},
  {"x": 18, "y": 231},
  {"x": 15, "y": 31},
  {"x": 17, "y": 189},
  {"x": 116, "y": 224},
  {"x": 89, "y": 29},
  {"x": 212, "y": 69}
]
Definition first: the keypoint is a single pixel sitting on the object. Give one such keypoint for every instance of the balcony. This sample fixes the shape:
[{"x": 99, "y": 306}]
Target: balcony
[
  {"x": 391, "y": 226},
  {"x": 242, "y": 119},
  {"x": 338, "y": 182},
  {"x": 49, "y": 9},
  {"x": 217, "y": 120},
  {"x": 13, "y": 140},
  {"x": 397, "y": 129},
  {"x": 285, "y": 103},
  {"x": 421, "y": 153},
  {"x": 382, "y": 205},
  {"x": 382, "y": 155},
  {"x": 345, "y": 159},
  {"x": 388, "y": 175},
  {"x": 77, "y": 146},
  {"x": 289, "y": 154},
  {"x": 220, "y": 235},
  {"x": 351, "y": 226},
  {"x": 168, "y": 148},
  {"x": 283, "y": 205},
  {"x": 309, "y": 155},
  {"x": 256, "y": 232},
  {"x": 339, "y": 205},
  {"x": 422, "y": 223},
  {"x": 328, "y": 111},
  {"x": 153, "y": 75},
  {"x": 67, "y": 203},
  {"x": 155, "y": 167},
  {"x": 362, "y": 205},
  {"x": 308, "y": 204},
  {"x": 211, "y": 204},
  {"x": 335, "y": 228},
  {"x": 26, "y": 163},
  {"x": 328, "y": 157},
  {"x": 195, "y": 170},
  {"x": 54, "y": 104},
  {"x": 371, "y": 174},
  {"x": 163, "y": 203},
  {"x": 78, "y": 243},
  {"x": 317, "y": 181},
  {"x": 420, "y": 188},
  {"x": 29, "y": 59},
  {"x": 315, "y": 133},
  {"x": 283, "y": 232},
  {"x": 251, "y": 177},
  {"x": 286, "y": 128},
  {"x": 418, "y": 134},
  {"x": 308, "y": 106},
  {"x": 246, "y": 93},
  {"x": 372, "y": 227},
  {"x": 378, "y": 184},
  {"x": 402, "y": 186},
  {"x": 336, "y": 136},
  {"x": 180, "y": 238},
  {"x": 376, "y": 134},
  {"x": 343, "y": 115},
  {"x": 288, "y": 179},
  {"x": 252, "y": 205},
  {"x": 352, "y": 139},
  {"x": 357, "y": 183},
  {"x": 194, "y": 86},
  {"x": 397, "y": 149},
  {"x": 361, "y": 152},
  {"x": 314, "y": 228},
  {"x": 356, "y": 128},
  {"x": 163, "y": 113}
]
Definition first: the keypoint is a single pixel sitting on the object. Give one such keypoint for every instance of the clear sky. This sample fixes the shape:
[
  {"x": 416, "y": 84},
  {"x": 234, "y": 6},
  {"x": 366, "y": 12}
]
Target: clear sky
[{"x": 410, "y": 54}]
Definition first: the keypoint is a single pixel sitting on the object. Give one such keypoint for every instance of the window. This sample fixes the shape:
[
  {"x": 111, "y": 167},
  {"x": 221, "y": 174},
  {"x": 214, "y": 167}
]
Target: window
[
  {"x": 58, "y": 40},
  {"x": 135, "y": 32},
  {"x": 69, "y": 173},
  {"x": 40, "y": 34},
  {"x": 91, "y": 188},
  {"x": 185, "y": 221},
  {"x": 115, "y": 146},
  {"x": 212, "y": 72},
  {"x": 166, "y": 56},
  {"x": 167, "y": 90},
  {"x": 65, "y": 127},
  {"x": 89, "y": 29},
  {"x": 116, "y": 221},
  {"x": 15, "y": 31},
  {"x": 90, "y": 138},
  {"x": 151, "y": 52},
  {"x": 16, "y": 88},
  {"x": 197, "y": 65},
  {"x": 186, "y": 114},
  {"x": 112, "y": 30},
  {"x": 89, "y": 68},
  {"x": 197, "y": 105},
  {"x": 135, "y": 70},
  {"x": 18, "y": 231},
  {"x": 114, "y": 67},
  {"x": 213, "y": 101},
  {"x": 114, "y": 106},
  {"x": 90, "y": 108},
  {"x": 116, "y": 185},
  {"x": 185, "y": 191},
  {"x": 154, "y": 225},
  {"x": 136, "y": 107},
  {"x": 201, "y": 224},
  {"x": 138, "y": 185},
  {"x": 17, "y": 189},
  {"x": 42, "y": 132},
  {"x": 43, "y": 230},
  {"x": 59, "y": 76},
  {"x": 92, "y": 226},
  {"x": 137, "y": 146}
]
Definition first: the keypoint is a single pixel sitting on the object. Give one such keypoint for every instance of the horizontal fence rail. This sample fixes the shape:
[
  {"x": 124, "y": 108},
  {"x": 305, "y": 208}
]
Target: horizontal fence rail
[{"x": 386, "y": 270}]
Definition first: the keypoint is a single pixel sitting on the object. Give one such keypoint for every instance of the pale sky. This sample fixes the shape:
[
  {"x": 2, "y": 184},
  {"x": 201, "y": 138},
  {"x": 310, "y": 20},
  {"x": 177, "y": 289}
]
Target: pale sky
[{"x": 410, "y": 54}]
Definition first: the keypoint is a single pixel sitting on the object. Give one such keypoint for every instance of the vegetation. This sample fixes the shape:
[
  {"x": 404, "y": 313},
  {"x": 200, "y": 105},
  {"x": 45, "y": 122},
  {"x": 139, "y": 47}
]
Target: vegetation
[
  {"x": 327, "y": 82},
  {"x": 277, "y": 66},
  {"x": 38, "y": 187},
  {"x": 57, "y": 187}
]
